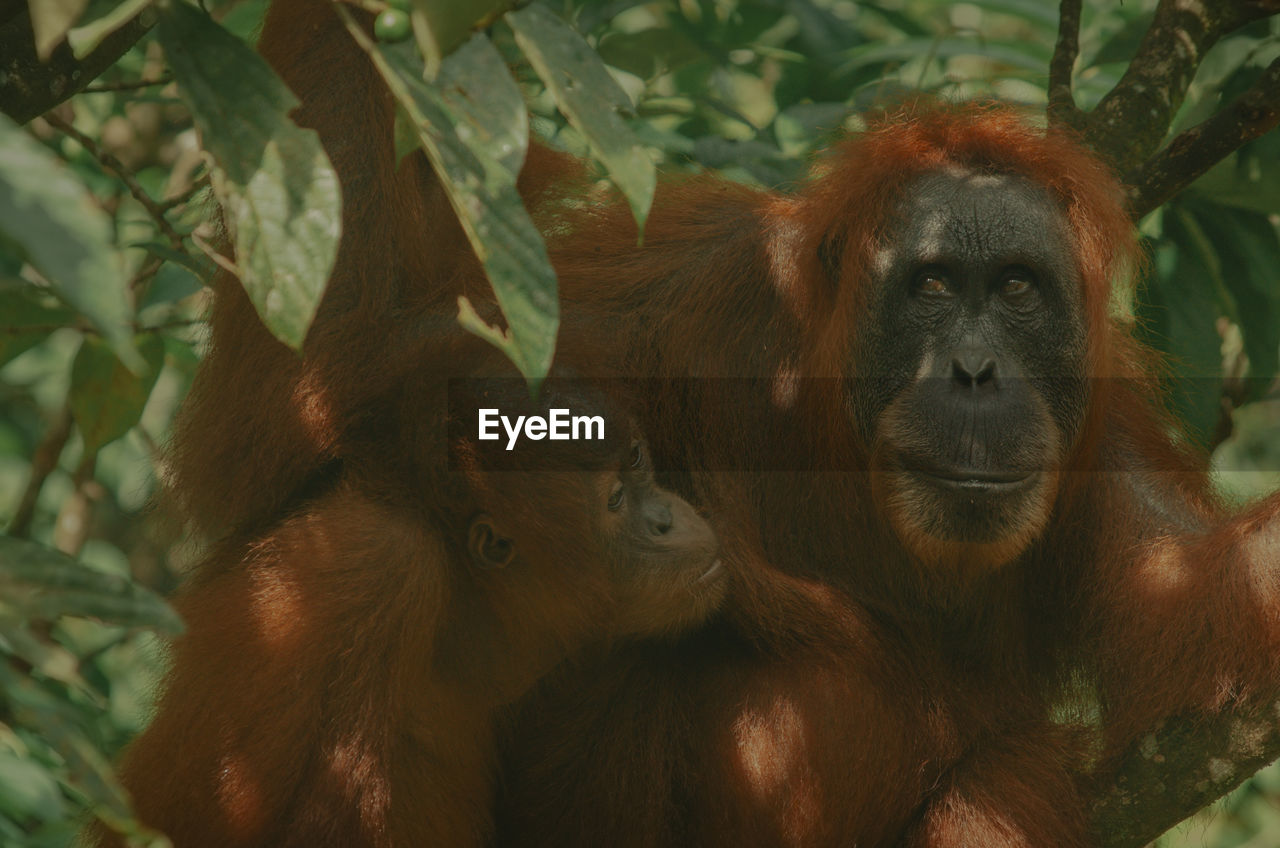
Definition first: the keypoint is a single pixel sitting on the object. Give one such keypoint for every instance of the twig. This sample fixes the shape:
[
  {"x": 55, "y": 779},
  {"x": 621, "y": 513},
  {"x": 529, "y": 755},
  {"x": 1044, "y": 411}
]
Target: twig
[
  {"x": 71, "y": 528},
  {"x": 170, "y": 325},
  {"x": 89, "y": 330},
  {"x": 43, "y": 461},
  {"x": 43, "y": 329},
  {"x": 371, "y": 6},
  {"x": 1195, "y": 151},
  {"x": 127, "y": 85},
  {"x": 1062, "y": 109},
  {"x": 114, "y": 165},
  {"x": 145, "y": 273},
  {"x": 212, "y": 252}
]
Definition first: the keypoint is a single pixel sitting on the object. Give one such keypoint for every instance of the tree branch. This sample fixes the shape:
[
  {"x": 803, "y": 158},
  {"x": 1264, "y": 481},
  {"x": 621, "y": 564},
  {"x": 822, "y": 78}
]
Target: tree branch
[
  {"x": 1181, "y": 767},
  {"x": 72, "y": 526},
  {"x": 29, "y": 87},
  {"x": 1186, "y": 763},
  {"x": 43, "y": 461},
  {"x": 1131, "y": 121},
  {"x": 1191, "y": 154},
  {"x": 115, "y": 166},
  {"x": 128, "y": 85},
  {"x": 1062, "y": 110}
]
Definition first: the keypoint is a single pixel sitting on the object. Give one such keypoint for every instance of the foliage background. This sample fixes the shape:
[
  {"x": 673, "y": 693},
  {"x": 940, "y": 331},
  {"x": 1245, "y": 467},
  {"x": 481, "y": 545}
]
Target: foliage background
[{"x": 752, "y": 88}]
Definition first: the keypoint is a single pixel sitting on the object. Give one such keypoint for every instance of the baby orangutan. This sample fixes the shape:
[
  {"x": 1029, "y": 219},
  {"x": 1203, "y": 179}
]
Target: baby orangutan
[{"x": 344, "y": 675}]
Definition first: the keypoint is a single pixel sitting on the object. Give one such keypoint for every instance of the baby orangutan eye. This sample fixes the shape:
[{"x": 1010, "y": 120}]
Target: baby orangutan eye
[{"x": 615, "y": 497}]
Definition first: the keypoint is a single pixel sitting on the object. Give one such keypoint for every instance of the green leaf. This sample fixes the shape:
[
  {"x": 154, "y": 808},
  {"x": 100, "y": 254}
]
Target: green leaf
[
  {"x": 83, "y": 39},
  {"x": 50, "y": 20},
  {"x": 84, "y": 766},
  {"x": 171, "y": 284},
  {"x": 1253, "y": 188},
  {"x": 27, "y": 316},
  {"x": 473, "y": 149},
  {"x": 822, "y": 33},
  {"x": 201, "y": 267},
  {"x": 649, "y": 52},
  {"x": 40, "y": 582},
  {"x": 405, "y": 135},
  {"x": 86, "y": 37},
  {"x": 1176, "y": 315},
  {"x": 107, "y": 399},
  {"x": 28, "y": 790},
  {"x": 1038, "y": 12},
  {"x": 593, "y": 16},
  {"x": 65, "y": 235},
  {"x": 590, "y": 98},
  {"x": 903, "y": 22},
  {"x": 799, "y": 125},
  {"x": 441, "y": 26},
  {"x": 1123, "y": 43},
  {"x": 1249, "y": 252},
  {"x": 471, "y": 321},
  {"x": 50, "y": 659},
  {"x": 1028, "y": 57},
  {"x": 483, "y": 99},
  {"x": 278, "y": 191}
]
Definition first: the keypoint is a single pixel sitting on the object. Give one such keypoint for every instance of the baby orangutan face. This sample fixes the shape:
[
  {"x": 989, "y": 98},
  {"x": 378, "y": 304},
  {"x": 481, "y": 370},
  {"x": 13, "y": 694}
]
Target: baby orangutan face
[{"x": 580, "y": 522}]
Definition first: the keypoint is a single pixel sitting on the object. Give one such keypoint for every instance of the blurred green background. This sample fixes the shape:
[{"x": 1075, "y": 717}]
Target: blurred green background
[{"x": 751, "y": 88}]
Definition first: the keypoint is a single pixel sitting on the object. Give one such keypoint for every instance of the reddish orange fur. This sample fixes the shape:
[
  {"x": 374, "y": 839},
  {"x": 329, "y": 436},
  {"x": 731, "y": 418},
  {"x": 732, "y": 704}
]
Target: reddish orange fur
[
  {"x": 342, "y": 679},
  {"x": 852, "y": 693},
  {"x": 346, "y": 673},
  {"x": 379, "y": 307},
  {"x": 950, "y": 707}
]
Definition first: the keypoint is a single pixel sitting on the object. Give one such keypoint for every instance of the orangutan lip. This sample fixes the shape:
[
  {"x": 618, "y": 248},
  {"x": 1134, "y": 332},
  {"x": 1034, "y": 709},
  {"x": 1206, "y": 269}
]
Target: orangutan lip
[{"x": 975, "y": 481}]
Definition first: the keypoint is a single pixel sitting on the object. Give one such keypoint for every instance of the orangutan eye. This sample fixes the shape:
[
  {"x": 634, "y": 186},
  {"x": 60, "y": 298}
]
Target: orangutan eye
[
  {"x": 616, "y": 496},
  {"x": 932, "y": 282},
  {"x": 637, "y": 455},
  {"x": 1017, "y": 282}
]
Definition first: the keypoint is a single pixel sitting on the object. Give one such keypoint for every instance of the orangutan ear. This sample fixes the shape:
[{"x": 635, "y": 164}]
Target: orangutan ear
[{"x": 488, "y": 548}]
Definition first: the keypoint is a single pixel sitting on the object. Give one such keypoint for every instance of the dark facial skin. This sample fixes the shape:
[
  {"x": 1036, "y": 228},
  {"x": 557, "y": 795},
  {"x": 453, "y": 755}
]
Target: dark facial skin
[
  {"x": 661, "y": 549},
  {"x": 659, "y": 557},
  {"x": 971, "y": 380}
]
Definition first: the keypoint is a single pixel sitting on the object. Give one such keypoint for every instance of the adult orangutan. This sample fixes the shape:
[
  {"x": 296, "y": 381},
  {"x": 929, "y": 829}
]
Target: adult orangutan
[
  {"x": 957, "y": 520},
  {"x": 939, "y": 431}
]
